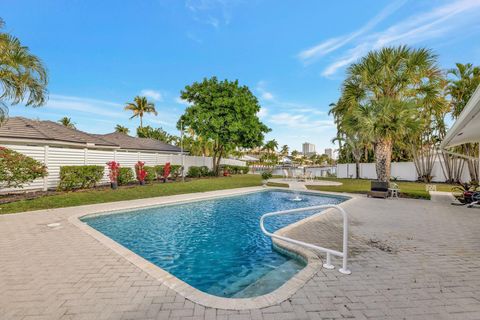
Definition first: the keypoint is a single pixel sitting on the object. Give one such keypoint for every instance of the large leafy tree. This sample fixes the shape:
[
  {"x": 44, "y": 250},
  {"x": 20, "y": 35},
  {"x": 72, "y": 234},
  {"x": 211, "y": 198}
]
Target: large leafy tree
[
  {"x": 225, "y": 113},
  {"x": 67, "y": 122},
  {"x": 140, "y": 106},
  {"x": 23, "y": 78},
  {"x": 380, "y": 98}
]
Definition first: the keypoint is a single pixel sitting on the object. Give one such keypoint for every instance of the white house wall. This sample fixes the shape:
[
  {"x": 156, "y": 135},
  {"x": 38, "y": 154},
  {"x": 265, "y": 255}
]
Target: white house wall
[{"x": 56, "y": 157}]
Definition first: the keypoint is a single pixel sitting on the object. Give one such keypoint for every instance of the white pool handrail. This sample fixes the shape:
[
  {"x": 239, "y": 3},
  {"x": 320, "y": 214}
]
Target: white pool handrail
[{"x": 328, "y": 264}]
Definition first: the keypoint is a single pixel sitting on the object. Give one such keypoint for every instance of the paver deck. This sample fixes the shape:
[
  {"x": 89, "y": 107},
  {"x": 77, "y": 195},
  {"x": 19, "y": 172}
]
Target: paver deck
[{"x": 411, "y": 259}]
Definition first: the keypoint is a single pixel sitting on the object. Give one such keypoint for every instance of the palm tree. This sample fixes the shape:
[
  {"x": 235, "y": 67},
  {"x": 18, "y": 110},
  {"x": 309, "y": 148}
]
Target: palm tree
[
  {"x": 67, "y": 122},
  {"x": 284, "y": 150},
  {"x": 464, "y": 79},
  {"x": 121, "y": 129},
  {"x": 271, "y": 146},
  {"x": 380, "y": 98},
  {"x": 22, "y": 75},
  {"x": 140, "y": 106}
]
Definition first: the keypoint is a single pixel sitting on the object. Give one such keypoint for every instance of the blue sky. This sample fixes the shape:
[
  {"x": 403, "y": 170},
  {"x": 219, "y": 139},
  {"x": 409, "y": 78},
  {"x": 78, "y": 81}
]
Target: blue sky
[{"x": 292, "y": 54}]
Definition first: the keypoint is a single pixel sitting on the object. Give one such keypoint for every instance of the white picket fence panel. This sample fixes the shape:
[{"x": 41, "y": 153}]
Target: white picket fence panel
[
  {"x": 56, "y": 157},
  {"x": 400, "y": 170}
]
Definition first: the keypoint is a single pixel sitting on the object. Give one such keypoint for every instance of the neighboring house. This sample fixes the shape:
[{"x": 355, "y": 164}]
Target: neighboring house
[{"x": 56, "y": 145}]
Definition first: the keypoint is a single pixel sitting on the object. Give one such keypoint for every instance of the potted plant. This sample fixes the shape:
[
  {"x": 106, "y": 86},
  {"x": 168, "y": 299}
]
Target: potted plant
[
  {"x": 265, "y": 176},
  {"x": 141, "y": 172},
  {"x": 114, "y": 168}
]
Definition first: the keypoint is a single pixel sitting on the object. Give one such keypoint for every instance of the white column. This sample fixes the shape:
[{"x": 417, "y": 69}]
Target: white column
[
  {"x": 45, "y": 161},
  {"x": 85, "y": 156}
]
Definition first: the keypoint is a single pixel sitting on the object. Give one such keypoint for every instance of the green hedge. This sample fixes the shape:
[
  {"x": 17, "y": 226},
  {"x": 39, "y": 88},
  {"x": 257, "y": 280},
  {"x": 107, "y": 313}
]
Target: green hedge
[
  {"x": 235, "y": 169},
  {"x": 197, "y": 172},
  {"x": 79, "y": 177},
  {"x": 174, "y": 170},
  {"x": 151, "y": 174},
  {"x": 125, "y": 176}
]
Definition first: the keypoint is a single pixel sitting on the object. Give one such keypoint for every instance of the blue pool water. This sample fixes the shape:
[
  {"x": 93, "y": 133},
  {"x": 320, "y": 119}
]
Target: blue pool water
[{"x": 215, "y": 245}]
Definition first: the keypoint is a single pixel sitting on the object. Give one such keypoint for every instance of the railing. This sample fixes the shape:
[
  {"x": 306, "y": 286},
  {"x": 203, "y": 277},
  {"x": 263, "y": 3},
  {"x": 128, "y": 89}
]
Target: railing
[{"x": 329, "y": 252}]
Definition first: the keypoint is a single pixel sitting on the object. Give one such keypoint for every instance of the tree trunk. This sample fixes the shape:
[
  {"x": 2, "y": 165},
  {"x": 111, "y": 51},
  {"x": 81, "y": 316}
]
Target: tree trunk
[
  {"x": 357, "y": 169},
  {"x": 141, "y": 122},
  {"x": 383, "y": 159}
]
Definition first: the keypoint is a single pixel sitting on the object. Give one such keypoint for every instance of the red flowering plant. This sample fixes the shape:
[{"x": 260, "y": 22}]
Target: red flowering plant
[
  {"x": 166, "y": 171},
  {"x": 114, "y": 169},
  {"x": 141, "y": 172}
]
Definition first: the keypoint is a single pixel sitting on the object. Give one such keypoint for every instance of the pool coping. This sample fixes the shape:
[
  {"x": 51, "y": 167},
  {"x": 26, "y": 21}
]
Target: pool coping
[{"x": 313, "y": 262}]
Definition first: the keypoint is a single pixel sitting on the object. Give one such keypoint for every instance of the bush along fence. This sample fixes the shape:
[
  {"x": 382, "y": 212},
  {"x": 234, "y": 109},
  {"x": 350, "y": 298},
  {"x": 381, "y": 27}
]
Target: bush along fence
[{"x": 45, "y": 164}]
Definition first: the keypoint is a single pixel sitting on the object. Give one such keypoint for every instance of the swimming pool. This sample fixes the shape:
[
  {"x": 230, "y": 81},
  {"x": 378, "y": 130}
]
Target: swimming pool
[{"x": 214, "y": 245}]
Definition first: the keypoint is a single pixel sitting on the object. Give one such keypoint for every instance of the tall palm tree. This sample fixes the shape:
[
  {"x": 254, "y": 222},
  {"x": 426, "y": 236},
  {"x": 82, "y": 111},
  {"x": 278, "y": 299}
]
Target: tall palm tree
[
  {"x": 284, "y": 150},
  {"x": 140, "y": 106},
  {"x": 121, "y": 129},
  {"x": 380, "y": 97},
  {"x": 23, "y": 78},
  {"x": 67, "y": 122},
  {"x": 463, "y": 81}
]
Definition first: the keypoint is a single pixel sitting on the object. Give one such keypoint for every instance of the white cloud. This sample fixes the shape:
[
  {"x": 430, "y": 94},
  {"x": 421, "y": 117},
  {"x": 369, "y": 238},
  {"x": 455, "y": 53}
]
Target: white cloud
[
  {"x": 181, "y": 101},
  {"x": 264, "y": 93},
  {"x": 267, "y": 96},
  {"x": 85, "y": 106},
  {"x": 330, "y": 45},
  {"x": 152, "y": 94},
  {"x": 263, "y": 112},
  {"x": 418, "y": 28},
  {"x": 300, "y": 121},
  {"x": 212, "y": 12}
]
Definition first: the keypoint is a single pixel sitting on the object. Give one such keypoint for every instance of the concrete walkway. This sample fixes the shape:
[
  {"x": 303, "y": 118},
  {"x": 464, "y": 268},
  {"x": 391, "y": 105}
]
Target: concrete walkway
[{"x": 411, "y": 259}]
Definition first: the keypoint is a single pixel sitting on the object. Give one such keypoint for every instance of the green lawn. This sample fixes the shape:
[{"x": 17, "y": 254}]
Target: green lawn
[
  {"x": 407, "y": 189},
  {"x": 137, "y": 192}
]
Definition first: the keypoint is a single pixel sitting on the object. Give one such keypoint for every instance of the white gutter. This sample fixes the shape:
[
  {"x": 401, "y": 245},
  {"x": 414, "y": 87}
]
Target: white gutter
[{"x": 469, "y": 114}]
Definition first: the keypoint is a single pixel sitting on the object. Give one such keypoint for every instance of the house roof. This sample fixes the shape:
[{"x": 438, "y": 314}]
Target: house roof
[
  {"x": 19, "y": 128},
  {"x": 467, "y": 127},
  {"x": 127, "y": 142},
  {"x": 28, "y": 129}
]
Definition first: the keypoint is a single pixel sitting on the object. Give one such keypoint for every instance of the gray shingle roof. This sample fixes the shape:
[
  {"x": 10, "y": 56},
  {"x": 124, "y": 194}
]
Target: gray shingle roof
[
  {"x": 127, "y": 142},
  {"x": 23, "y": 128}
]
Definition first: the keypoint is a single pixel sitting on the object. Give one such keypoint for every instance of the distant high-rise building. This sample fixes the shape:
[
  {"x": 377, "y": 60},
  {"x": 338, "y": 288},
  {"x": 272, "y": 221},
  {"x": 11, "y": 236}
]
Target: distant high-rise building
[
  {"x": 329, "y": 152},
  {"x": 308, "y": 148}
]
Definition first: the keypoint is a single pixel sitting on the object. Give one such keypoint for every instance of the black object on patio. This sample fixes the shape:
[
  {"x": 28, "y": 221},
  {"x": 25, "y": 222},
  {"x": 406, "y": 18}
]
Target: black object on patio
[{"x": 378, "y": 189}]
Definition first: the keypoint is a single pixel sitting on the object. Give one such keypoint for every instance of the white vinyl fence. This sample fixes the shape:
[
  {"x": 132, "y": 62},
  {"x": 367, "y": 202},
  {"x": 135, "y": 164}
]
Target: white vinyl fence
[
  {"x": 399, "y": 170},
  {"x": 56, "y": 157}
]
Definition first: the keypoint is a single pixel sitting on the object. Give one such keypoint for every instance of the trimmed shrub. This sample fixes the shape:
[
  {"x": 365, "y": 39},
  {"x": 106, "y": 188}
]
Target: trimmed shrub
[
  {"x": 125, "y": 176},
  {"x": 197, "y": 172},
  {"x": 151, "y": 174},
  {"x": 17, "y": 169},
  {"x": 194, "y": 172},
  {"x": 235, "y": 169},
  {"x": 80, "y": 177},
  {"x": 204, "y": 171}
]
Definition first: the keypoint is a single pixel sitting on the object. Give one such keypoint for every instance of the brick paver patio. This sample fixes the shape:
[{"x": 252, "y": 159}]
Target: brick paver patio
[{"x": 412, "y": 259}]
